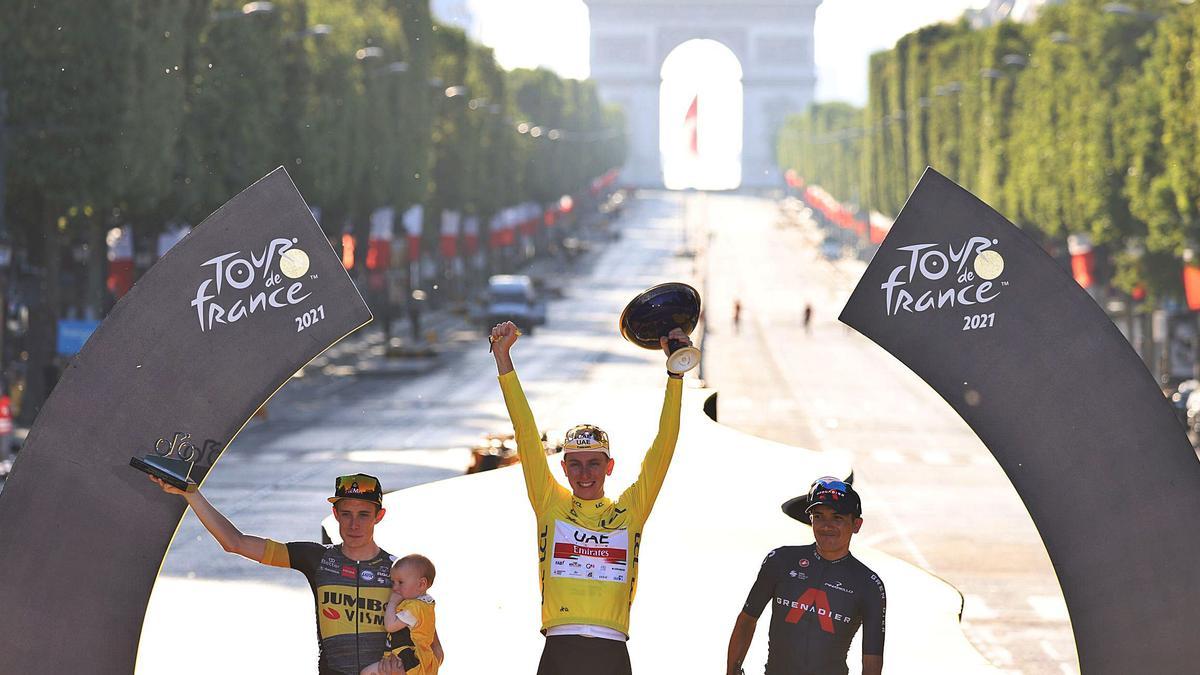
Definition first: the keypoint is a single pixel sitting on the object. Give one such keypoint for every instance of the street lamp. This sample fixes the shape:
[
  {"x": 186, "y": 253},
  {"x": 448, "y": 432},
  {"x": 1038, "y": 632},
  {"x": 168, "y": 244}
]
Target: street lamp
[
  {"x": 367, "y": 53},
  {"x": 1014, "y": 61},
  {"x": 456, "y": 91},
  {"x": 1125, "y": 10},
  {"x": 319, "y": 31},
  {"x": 248, "y": 9},
  {"x": 1060, "y": 38}
]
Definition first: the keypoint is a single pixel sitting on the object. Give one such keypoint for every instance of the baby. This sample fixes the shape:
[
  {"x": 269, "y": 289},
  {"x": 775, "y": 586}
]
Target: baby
[{"x": 409, "y": 619}]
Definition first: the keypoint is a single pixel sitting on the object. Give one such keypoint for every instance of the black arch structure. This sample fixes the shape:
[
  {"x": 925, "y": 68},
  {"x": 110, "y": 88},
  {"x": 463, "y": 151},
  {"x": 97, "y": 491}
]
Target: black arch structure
[
  {"x": 82, "y": 534},
  {"x": 1068, "y": 410}
]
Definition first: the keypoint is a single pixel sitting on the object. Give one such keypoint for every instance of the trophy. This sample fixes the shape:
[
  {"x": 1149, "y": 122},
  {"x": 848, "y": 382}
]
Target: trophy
[
  {"x": 654, "y": 312},
  {"x": 171, "y": 462}
]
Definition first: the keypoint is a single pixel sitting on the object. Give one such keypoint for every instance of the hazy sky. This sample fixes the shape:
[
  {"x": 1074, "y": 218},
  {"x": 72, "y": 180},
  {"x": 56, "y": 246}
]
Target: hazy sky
[{"x": 554, "y": 33}]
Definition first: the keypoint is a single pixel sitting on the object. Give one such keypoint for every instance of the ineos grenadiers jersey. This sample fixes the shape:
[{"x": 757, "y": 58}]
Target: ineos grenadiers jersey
[
  {"x": 588, "y": 549},
  {"x": 816, "y": 607},
  {"x": 350, "y": 597}
]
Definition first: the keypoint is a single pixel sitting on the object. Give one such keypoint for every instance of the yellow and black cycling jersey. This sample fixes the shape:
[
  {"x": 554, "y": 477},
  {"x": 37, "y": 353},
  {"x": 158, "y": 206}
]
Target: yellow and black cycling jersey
[
  {"x": 588, "y": 549},
  {"x": 350, "y": 597}
]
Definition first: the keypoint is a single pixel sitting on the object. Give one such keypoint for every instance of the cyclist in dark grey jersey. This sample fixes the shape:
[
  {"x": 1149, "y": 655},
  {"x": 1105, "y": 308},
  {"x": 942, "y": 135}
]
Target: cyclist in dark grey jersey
[
  {"x": 349, "y": 582},
  {"x": 820, "y": 594}
]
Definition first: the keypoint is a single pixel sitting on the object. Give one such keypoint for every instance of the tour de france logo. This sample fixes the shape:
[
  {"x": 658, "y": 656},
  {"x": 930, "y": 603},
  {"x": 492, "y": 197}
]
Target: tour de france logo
[
  {"x": 239, "y": 284},
  {"x": 944, "y": 276}
]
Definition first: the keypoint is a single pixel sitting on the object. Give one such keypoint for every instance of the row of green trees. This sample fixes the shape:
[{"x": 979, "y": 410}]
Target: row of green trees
[
  {"x": 147, "y": 113},
  {"x": 1081, "y": 122}
]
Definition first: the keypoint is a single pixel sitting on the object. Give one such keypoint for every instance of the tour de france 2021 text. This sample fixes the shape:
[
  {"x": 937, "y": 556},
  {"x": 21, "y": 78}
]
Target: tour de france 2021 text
[{"x": 310, "y": 317}]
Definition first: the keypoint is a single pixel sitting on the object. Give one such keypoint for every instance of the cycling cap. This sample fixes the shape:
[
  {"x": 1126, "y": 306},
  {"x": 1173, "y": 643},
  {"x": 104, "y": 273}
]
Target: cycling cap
[
  {"x": 828, "y": 491},
  {"x": 358, "y": 486},
  {"x": 586, "y": 437}
]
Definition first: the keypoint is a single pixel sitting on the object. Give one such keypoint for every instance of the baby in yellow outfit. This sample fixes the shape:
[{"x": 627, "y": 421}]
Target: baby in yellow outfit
[{"x": 409, "y": 619}]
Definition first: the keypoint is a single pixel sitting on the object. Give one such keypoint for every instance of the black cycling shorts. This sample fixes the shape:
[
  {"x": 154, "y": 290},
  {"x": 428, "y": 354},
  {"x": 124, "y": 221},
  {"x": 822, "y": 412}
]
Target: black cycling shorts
[{"x": 582, "y": 655}]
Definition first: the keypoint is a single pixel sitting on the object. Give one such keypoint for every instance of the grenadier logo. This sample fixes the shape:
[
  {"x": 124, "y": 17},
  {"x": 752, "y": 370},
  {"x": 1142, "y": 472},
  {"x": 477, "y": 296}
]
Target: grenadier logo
[{"x": 817, "y": 602}]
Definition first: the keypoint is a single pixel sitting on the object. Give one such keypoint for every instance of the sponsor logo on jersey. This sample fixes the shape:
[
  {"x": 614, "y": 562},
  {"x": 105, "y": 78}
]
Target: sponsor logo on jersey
[
  {"x": 367, "y": 575},
  {"x": 815, "y": 601},
  {"x": 348, "y": 571},
  {"x": 797, "y": 575},
  {"x": 837, "y": 586},
  {"x": 603, "y": 554},
  {"x": 804, "y": 562},
  {"x": 343, "y": 613}
]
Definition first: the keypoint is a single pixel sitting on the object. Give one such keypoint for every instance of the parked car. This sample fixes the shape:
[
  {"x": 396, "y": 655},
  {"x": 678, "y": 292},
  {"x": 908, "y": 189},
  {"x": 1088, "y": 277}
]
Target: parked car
[
  {"x": 511, "y": 297},
  {"x": 831, "y": 249}
]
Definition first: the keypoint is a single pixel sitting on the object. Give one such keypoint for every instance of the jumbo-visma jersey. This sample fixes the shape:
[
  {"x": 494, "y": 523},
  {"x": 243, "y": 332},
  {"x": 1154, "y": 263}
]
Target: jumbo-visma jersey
[
  {"x": 587, "y": 549},
  {"x": 350, "y": 597}
]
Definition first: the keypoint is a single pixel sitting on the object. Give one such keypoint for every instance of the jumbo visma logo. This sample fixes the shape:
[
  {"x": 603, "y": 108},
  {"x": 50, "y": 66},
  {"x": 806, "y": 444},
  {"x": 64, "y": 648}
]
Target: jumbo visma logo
[
  {"x": 940, "y": 275},
  {"x": 338, "y": 606},
  {"x": 239, "y": 285}
]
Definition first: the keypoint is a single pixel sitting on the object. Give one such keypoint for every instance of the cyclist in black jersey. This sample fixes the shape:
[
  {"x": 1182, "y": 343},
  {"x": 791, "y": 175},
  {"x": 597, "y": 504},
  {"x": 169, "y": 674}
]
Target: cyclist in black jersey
[
  {"x": 350, "y": 582},
  {"x": 820, "y": 594}
]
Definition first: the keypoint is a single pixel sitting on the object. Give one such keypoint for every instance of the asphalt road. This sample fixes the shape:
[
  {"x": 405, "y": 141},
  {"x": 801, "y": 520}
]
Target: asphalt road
[
  {"x": 933, "y": 495},
  {"x": 407, "y": 426}
]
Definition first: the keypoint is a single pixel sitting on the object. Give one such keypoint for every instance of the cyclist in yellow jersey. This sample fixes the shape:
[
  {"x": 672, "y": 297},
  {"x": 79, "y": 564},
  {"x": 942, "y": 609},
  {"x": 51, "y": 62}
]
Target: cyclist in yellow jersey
[{"x": 587, "y": 544}]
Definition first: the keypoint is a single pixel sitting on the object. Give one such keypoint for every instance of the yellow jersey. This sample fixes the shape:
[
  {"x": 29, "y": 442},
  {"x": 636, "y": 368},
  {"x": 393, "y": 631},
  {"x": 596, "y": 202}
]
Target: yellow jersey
[
  {"x": 414, "y": 644},
  {"x": 588, "y": 549}
]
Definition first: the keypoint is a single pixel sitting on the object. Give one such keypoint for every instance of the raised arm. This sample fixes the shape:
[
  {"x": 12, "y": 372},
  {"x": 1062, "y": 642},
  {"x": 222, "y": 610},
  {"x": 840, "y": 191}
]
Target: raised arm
[
  {"x": 645, "y": 489},
  {"x": 538, "y": 481},
  {"x": 227, "y": 535}
]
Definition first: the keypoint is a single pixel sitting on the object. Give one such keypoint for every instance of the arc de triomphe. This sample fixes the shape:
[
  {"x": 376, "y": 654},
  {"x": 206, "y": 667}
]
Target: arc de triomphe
[{"x": 772, "y": 39}]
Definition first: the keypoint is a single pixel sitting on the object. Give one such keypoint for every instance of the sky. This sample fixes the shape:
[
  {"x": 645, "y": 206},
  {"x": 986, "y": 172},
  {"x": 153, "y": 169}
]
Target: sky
[{"x": 554, "y": 33}]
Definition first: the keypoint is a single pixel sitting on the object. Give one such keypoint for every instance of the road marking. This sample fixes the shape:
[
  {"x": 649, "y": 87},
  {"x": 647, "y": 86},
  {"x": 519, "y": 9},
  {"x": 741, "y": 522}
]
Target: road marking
[
  {"x": 887, "y": 457},
  {"x": 1049, "y": 607},
  {"x": 979, "y": 459},
  {"x": 1050, "y": 650},
  {"x": 935, "y": 457},
  {"x": 976, "y": 608}
]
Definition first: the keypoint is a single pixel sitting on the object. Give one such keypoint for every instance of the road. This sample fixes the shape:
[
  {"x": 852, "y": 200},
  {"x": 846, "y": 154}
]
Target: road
[
  {"x": 933, "y": 495},
  {"x": 408, "y": 429}
]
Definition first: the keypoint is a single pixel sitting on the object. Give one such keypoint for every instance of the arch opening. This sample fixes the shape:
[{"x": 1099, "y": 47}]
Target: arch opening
[{"x": 700, "y": 117}]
